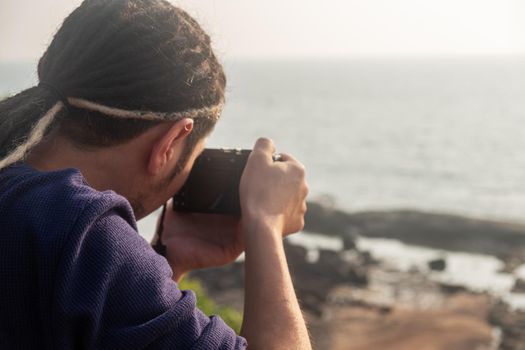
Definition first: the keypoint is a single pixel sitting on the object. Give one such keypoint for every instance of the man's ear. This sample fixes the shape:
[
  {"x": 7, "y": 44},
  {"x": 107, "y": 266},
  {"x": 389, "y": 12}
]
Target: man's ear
[{"x": 169, "y": 145}]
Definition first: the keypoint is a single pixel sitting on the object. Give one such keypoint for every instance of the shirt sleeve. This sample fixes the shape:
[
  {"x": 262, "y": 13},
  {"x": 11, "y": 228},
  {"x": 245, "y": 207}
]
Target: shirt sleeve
[{"x": 115, "y": 292}]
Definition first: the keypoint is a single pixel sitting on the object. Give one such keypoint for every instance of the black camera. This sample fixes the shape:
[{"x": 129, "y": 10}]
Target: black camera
[{"x": 213, "y": 183}]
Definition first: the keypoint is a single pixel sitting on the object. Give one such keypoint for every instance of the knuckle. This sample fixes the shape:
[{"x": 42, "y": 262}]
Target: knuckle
[
  {"x": 296, "y": 168},
  {"x": 287, "y": 157},
  {"x": 301, "y": 169}
]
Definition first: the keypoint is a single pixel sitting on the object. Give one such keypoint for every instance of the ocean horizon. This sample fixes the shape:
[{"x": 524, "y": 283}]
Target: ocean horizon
[{"x": 441, "y": 135}]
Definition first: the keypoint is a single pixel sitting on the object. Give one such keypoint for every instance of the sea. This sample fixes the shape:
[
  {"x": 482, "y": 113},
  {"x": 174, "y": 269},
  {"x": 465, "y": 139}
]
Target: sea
[{"x": 434, "y": 134}]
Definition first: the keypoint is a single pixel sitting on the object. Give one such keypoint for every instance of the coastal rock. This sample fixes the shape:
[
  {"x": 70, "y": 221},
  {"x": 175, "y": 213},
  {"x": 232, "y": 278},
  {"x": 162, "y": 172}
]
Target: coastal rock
[
  {"x": 452, "y": 288},
  {"x": 440, "y": 231},
  {"x": 437, "y": 265},
  {"x": 312, "y": 281},
  {"x": 347, "y": 295},
  {"x": 519, "y": 286},
  {"x": 512, "y": 326},
  {"x": 349, "y": 238},
  {"x": 223, "y": 278}
]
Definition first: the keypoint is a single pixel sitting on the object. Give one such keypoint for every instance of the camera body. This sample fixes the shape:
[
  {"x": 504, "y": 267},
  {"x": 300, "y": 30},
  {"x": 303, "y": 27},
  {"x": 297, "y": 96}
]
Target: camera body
[{"x": 213, "y": 183}]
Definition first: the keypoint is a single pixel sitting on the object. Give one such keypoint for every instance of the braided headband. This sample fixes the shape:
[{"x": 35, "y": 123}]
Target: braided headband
[
  {"x": 212, "y": 112},
  {"x": 39, "y": 129}
]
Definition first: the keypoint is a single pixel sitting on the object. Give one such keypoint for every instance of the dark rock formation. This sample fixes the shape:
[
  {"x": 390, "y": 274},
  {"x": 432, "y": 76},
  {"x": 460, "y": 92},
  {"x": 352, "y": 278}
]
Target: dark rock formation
[
  {"x": 437, "y": 265},
  {"x": 349, "y": 238},
  {"x": 441, "y": 231},
  {"x": 312, "y": 281},
  {"x": 519, "y": 286},
  {"x": 512, "y": 325},
  {"x": 452, "y": 288}
]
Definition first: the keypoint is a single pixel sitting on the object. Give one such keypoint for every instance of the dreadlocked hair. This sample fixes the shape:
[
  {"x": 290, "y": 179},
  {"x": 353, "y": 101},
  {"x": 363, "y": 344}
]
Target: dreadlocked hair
[{"x": 120, "y": 67}]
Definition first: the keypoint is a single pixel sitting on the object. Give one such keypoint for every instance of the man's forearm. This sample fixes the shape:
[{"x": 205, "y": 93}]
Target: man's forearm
[{"x": 272, "y": 316}]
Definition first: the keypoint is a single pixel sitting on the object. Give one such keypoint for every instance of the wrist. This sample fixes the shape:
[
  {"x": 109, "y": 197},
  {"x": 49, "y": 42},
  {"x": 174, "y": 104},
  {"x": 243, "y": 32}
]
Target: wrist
[{"x": 262, "y": 224}]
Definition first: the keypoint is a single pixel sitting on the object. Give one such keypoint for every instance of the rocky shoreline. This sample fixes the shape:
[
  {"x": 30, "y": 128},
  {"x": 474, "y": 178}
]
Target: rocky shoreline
[
  {"x": 354, "y": 302},
  {"x": 443, "y": 231}
]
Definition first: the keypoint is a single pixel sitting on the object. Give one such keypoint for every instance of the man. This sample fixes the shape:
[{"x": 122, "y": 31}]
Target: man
[{"x": 129, "y": 92}]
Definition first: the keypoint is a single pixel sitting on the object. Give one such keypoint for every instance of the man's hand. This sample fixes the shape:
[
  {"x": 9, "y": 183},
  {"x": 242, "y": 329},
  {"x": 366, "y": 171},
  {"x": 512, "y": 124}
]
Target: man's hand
[
  {"x": 273, "y": 192},
  {"x": 195, "y": 241}
]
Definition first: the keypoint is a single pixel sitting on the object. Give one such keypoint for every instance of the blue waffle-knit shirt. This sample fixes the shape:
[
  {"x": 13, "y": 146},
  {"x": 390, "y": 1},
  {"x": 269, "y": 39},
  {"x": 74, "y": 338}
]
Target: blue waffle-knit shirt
[{"x": 75, "y": 273}]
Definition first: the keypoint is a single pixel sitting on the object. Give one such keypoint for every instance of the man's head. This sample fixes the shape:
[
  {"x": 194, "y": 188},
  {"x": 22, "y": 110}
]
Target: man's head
[{"x": 139, "y": 76}]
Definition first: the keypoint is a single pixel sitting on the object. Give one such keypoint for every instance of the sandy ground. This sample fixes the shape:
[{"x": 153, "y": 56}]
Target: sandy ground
[
  {"x": 460, "y": 322},
  {"x": 353, "y": 321}
]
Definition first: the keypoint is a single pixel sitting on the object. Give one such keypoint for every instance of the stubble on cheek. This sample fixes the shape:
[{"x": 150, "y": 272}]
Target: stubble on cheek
[{"x": 137, "y": 204}]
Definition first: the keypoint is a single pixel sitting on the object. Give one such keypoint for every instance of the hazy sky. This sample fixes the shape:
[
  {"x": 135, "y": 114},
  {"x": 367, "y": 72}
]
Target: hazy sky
[{"x": 284, "y": 28}]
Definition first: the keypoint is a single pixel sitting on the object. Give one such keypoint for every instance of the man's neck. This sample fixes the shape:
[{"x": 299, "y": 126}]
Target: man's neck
[{"x": 103, "y": 169}]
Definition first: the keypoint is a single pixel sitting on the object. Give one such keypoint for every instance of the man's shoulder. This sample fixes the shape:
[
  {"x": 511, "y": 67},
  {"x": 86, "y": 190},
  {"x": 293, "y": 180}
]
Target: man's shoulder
[{"x": 55, "y": 202}]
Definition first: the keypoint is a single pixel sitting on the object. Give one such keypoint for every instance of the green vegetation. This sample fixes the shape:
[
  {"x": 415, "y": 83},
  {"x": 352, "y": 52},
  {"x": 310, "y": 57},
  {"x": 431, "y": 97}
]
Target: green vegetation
[{"x": 233, "y": 318}]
